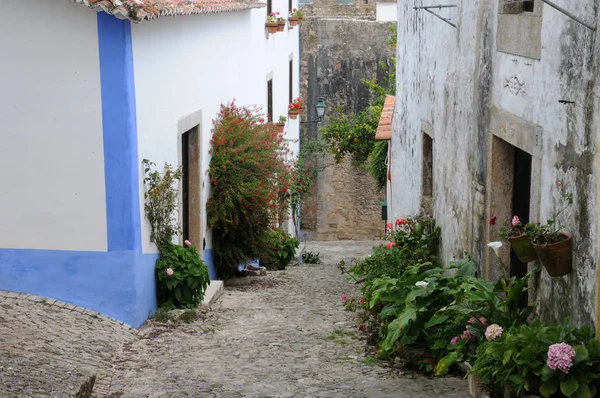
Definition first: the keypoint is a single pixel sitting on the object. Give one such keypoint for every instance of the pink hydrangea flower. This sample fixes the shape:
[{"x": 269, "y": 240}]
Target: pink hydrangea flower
[
  {"x": 187, "y": 242},
  {"x": 454, "y": 340},
  {"x": 483, "y": 320},
  {"x": 493, "y": 332},
  {"x": 560, "y": 356},
  {"x": 344, "y": 298},
  {"x": 515, "y": 221},
  {"x": 170, "y": 271}
]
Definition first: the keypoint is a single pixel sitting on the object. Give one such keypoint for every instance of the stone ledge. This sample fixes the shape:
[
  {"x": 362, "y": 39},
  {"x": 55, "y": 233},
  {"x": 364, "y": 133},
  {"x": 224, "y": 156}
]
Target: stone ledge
[{"x": 213, "y": 292}]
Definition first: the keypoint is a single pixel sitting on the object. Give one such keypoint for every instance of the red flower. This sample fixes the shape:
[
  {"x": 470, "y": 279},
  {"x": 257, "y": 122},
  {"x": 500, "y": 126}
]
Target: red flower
[
  {"x": 390, "y": 245},
  {"x": 362, "y": 327},
  {"x": 493, "y": 221},
  {"x": 389, "y": 226},
  {"x": 400, "y": 221}
]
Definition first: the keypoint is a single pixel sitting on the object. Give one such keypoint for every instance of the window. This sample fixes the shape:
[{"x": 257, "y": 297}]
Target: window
[
  {"x": 270, "y": 100},
  {"x": 190, "y": 192},
  {"x": 517, "y": 6},
  {"x": 290, "y": 6},
  {"x": 427, "y": 165},
  {"x": 269, "y": 7},
  {"x": 291, "y": 82}
]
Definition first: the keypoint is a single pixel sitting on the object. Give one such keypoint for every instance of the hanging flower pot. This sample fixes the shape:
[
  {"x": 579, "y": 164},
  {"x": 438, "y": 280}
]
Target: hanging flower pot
[
  {"x": 280, "y": 127},
  {"x": 557, "y": 257},
  {"x": 523, "y": 248},
  {"x": 272, "y": 27},
  {"x": 293, "y": 21},
  {"x": 293, "y": 114},
  {"x": 280, "y": 26}
]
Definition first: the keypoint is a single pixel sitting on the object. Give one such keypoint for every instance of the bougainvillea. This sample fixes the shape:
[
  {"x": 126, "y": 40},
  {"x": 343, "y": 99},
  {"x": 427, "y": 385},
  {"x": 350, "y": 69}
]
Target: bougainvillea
[{"x": 251, "y": 184}]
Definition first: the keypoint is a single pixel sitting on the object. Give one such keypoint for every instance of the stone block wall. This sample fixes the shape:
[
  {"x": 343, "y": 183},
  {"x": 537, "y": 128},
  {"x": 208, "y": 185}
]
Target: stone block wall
[{"x": 336, "y": 53}]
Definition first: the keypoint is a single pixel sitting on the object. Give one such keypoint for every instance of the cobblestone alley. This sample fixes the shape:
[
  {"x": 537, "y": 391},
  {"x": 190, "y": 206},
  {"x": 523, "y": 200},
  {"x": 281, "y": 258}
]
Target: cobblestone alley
[{"x": 284, "y": 335}]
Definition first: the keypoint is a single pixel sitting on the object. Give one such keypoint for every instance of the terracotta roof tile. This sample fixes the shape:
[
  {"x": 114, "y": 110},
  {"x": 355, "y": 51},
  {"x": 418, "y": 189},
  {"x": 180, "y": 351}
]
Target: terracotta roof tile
[
  {"x": 139, "y": 10},
  {"x": 384, "y": 130}
]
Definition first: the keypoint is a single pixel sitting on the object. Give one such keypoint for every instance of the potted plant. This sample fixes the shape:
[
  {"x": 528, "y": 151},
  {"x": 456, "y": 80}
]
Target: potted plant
[
  {"x": 272, "y": 23},
  {"x": 299, "y": 15},
  {"x": 295, "y": 108},
  {"x": 280, "y": 22},
  {"x": 553, "y": 246},
  {"x": 519, "y": 241},
  {"x": 281, "y": 123},
  {"x": 293, "y": 18}
]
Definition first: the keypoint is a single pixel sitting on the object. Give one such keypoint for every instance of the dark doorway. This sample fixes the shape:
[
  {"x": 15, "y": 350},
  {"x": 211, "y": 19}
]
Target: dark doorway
[{"x": 521, "y": 198}]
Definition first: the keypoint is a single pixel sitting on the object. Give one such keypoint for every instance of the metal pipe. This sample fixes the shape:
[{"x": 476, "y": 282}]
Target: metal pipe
[
  {"x": 440, "y": 17},
  {"x": 570, "y": 15},
  {"x": 440, "y": 6}
]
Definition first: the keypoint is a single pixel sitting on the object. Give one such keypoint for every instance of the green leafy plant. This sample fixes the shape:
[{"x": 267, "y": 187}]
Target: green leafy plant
[
  {"x": 182, "y": 277},
  {"x": 378, "y": 163},
  {"x": 519, "y": 361},
  {"x": 280, "y": 250},
  {"x": 551, "y": 232},
  {"x": 161, "y": 202},
  {"x": 311, "y": 258},
  {"x": 251, "y": 185},
  {"x": 282, "y": 119}
]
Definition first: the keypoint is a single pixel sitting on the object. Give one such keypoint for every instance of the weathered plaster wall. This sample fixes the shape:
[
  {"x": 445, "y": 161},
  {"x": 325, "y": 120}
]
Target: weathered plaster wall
[
  {"x": 51, "y": 133},
  {"x": 457, "y": 81},
  {"x": 337, "y": 53}
]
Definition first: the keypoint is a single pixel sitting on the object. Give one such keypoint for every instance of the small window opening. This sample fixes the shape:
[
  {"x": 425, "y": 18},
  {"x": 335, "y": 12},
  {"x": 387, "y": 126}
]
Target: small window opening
[
  {"x": 270, "y": 100},
  {"x": 528, "y": 6},
  {"x": 427, "y": 165},
  {"x": 291, "y": 82}
]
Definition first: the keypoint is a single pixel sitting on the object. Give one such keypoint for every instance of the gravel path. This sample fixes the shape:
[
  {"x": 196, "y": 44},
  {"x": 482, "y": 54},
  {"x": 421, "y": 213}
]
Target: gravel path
[{"x": 284, "y": 335}]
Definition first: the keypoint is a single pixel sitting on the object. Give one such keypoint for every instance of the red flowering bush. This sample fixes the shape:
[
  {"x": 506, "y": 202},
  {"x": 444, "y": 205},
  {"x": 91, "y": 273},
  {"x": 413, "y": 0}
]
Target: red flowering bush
[{"x": 251, "y": 185}]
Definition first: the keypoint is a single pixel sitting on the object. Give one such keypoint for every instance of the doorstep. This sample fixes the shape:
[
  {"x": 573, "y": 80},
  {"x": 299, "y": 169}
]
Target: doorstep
[{"x": 213, "y": 292}]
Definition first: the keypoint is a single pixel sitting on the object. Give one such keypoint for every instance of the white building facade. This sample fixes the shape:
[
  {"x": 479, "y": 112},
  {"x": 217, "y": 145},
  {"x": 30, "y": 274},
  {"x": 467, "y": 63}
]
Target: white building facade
[
  {"x": 89, "y": 91},
  {"x": 497, "y": 102}
]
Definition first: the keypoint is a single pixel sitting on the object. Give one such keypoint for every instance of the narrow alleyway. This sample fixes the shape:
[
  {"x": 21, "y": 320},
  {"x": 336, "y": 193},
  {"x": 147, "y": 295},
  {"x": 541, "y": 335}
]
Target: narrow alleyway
[{"x": 285, "y": 335}]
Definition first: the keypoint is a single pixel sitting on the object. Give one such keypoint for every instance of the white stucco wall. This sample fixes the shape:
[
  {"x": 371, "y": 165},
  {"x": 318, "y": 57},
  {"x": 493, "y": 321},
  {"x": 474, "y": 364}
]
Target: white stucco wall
[
  {"x": 192, "y": 63},
  {"x": 450, "y": 79},
  {"x": 386, "y": 12},
  {"x": 51, "y": 151}
]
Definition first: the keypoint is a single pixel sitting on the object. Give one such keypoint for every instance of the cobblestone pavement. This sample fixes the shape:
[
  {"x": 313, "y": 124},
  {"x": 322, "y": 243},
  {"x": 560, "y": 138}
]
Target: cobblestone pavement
[
  {"x": 284, "y": 335},
  {"x": 51, "y": 349}
]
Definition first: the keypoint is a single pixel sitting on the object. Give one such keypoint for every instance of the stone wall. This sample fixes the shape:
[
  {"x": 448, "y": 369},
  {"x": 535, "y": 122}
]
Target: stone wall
[
  {"x": 498, "y": 82},
  {"x": 336, "y": 54}
]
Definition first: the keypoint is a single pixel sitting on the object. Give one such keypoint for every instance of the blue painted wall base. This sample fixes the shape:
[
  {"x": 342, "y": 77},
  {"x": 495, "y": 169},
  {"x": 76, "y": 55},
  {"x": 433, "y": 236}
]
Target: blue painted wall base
[{"x": 118, "y": 284}]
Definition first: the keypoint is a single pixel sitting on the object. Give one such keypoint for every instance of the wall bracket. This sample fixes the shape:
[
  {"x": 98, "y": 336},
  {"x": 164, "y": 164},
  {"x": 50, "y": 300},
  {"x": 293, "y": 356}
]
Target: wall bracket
[
  {"x": 569, "y": 14},
  {"x": 428, "y": 9}
]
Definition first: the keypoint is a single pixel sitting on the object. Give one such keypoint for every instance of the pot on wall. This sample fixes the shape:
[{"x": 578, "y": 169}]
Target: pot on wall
[
  {"x": 293, "y": 114},
  {"x": 523, "y": 248},
  {"x": 272, "y": 27},
  {"x": 557, "y": 257},
  {"x": 281, "y": 26},
  {"x": 293, "y": 21},
  {"x": 280, "y": 127}
]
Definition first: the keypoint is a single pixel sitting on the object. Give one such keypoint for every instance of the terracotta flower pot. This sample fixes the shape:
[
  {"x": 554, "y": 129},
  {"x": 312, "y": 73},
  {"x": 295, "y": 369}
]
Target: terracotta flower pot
[
  {"x": 293, "y": 114},
  {"x": 281, "y": 26},
  {"x": 293, "y": 21},
  {"x": 557, "y": 258},
  {"x": 300, "y": 19},
  {"x": 280, "y": 127},
  {"x": 272, "y": 27},
  {"x": 523, "y": 248}
]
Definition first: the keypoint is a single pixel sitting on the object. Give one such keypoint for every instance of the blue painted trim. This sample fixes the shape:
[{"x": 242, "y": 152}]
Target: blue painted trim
[
  {"x": 120, "y": 134},
  {"x": 118, "y": 284},
  {"x": 210, "y": 262}
]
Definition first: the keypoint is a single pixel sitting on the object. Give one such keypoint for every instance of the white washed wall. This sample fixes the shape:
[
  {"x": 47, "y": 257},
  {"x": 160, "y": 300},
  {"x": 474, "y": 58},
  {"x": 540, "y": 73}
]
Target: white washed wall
[
  {"x": 187, "y": 64},
  {"x": 386, "y": 12},
  {"x": 51, "y": 151}
]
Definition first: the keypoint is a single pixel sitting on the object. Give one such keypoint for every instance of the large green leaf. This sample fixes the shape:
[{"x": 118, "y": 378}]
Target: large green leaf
[
  {"x": 583, "y": 391},
  {"x": 569, "y": 386},
  {"x": 393, "y": 334},
  {"x": 444, "y": 364},
  {"x": 436, "y": 319},
  {"x": 409, "y": 314},
  {"x": 549, "y": 388},
  {"x": 581, "y": 353}
]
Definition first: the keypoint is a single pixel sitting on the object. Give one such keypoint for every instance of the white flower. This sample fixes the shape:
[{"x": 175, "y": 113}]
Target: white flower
[
  {"x": 496, "y": 247},
  {"x": 422, "y": 283}
]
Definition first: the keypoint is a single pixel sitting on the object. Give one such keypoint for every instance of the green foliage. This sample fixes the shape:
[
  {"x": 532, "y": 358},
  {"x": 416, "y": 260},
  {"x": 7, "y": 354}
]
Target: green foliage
[
  {"x": 517, "y": 360},
  {"x": 182, "y": 277},
  {"x": 378, "y": 165},
  {"x": 311, "y": 258},
  {"x": 161, "y": 202},
  {"x": 280, "y": 250},
  {"x": 551, "y": 232},
  {"x": 251, "y": 185}
]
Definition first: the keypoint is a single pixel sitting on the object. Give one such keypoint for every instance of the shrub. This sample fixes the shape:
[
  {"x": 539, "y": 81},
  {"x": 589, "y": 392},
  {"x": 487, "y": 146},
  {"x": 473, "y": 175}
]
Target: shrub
[
  {"x": 280, "y": 250},
  {"x": 250, "y": 181},
  {"x": 312, "y": 258},
  {"x": 182, "y": 276}
]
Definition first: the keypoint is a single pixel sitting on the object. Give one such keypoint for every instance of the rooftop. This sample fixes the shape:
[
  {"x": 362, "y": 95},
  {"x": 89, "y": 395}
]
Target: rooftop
[
  {"x": 140, "y": 10},
  {"x": 384, "y": 130}
]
